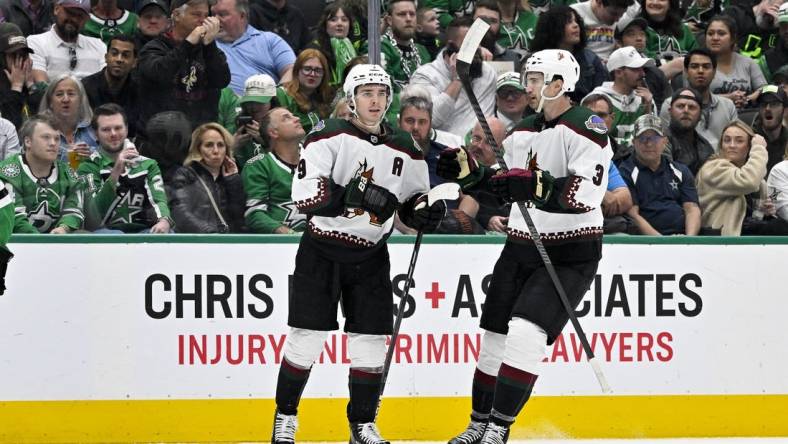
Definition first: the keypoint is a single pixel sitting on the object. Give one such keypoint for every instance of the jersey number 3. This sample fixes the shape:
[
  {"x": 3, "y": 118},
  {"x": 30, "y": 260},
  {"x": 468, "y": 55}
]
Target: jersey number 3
[{"x": 597, "y": 179}]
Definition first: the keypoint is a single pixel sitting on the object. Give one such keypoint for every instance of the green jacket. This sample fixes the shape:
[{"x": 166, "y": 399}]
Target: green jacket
[
  {"x": 133, "y": 204},
  {"x": 400, "y": 71},
  {"x": 106, "y": 29},
  {"x": 6, "y": 212},
  {"x": 308, "y": 119},
  {"x": 518, "y": 34},
  {"x": 268, "y": 181},
  {"x": 228, "y": 109},
  {"x": 446, "y": 9},
  {"x": 39, "y": 209}
]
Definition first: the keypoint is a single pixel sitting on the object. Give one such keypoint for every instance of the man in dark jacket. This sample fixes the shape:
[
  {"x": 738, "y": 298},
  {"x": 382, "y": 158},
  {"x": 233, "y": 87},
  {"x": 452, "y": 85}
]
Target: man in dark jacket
[
  {"x": 184, "y": 67},
  {"x": 32, "y": 17},
  {"x": 685, "y": 145},
  {"x": 19, "y": 96},
  {"x": 114, "y": 84},
  {"x": 278, "y": 17}
]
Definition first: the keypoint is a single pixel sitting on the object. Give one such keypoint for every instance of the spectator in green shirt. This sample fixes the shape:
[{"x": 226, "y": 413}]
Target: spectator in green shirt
[{"x": 667, "y": 36}]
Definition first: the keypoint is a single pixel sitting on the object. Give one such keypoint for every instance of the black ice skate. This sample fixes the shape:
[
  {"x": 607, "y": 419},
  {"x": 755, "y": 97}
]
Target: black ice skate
[
  {"x": 471, "y": 435},
  {"x": 284, "y": 429},
  {"x": 495, "y": 434},
  {"x": 365, "y": 433}
]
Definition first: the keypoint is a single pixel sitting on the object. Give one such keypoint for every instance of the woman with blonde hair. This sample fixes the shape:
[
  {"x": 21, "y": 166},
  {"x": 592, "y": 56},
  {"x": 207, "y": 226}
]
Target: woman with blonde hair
[
  {"x": 67, "y": 104},
  {"x": 309, "y": 94},
  {"x": 727, "y": 181},
  {"x": 206, "y": 193}
]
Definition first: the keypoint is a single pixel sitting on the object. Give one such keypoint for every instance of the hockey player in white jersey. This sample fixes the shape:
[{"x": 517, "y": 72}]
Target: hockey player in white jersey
[
  {"x": 559, "y": 160},
  {"x": 352, "y": 177}
]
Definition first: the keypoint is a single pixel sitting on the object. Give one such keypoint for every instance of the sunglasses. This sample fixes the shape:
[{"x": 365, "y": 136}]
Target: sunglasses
[
  {"x": 72, "y": 54},
  {"x": 649, "y": 139}
]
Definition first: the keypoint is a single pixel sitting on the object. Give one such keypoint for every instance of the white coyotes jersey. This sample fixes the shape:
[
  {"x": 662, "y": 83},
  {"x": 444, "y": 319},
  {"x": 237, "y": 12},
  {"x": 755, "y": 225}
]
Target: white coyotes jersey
[
  {"x": 576, "y": 148},
  {"x": 336, "y": 152}
]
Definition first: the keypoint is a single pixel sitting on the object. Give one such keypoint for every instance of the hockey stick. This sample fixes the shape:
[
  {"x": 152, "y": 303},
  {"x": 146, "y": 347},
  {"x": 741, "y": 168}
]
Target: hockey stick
[
  {"x": 464, "y": 58},
  {"x": 398, "y": 320}
]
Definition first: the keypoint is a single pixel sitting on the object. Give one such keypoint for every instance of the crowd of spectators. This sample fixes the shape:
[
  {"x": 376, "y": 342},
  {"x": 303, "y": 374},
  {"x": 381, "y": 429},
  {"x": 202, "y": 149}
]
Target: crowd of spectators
[{"x": 187, "y": 116}]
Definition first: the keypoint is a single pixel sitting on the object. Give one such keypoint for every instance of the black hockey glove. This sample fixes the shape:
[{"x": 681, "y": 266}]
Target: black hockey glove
[
  {"x": 5, "y": 257},
  {"x": 427, "y": 217},
  {"x": 519, "y": 185},
  {"x": 361, "y": 193},
  {"x": 456, "y": 163}
]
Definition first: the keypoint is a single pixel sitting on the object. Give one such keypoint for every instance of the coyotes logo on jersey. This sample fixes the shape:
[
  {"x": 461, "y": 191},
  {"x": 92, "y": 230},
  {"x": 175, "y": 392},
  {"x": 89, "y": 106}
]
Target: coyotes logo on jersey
[{"x": 366, "y": 178}]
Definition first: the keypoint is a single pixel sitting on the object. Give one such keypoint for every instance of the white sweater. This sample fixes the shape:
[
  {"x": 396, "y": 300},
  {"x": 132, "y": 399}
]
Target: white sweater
[{"x": 455, "y": 115}]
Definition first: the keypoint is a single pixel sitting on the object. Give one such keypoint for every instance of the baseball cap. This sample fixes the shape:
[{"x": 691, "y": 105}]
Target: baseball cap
[
  {"x": 259, "y": 88},
  {"x": 163, "y": 4},
  {"x": 782, "y": 13},
  {"x": 76, "y": 4},
  {"x": 14, "y": 42},
  {"x": 648, "y": 122},
  {"x": 625, "y": 23},
  {"x": 772, "y": 93},
  {"x": 627, "y": 57},
  {"x": 12, "y": 39},
  {"x": 687, "y": 93},
  {"x": 509, "y": 79}
]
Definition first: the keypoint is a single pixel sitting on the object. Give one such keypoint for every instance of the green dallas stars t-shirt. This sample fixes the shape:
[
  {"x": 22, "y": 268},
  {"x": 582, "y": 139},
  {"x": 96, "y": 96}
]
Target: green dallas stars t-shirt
[
  {"x": 41, "y": 204},
  {"x": 135, "y": 203},
  {"x": 268, "y": 181},
  {"x": 105, "y": 29}
]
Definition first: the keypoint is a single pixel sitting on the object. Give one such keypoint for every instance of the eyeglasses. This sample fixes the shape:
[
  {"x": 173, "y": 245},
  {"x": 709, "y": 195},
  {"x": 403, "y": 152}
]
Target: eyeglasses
[
  {"x": 309, "y": 70},
  {"x": 649, "y": 139},
  {"x": 603, "y": 115},
  {"x": 72, "y": 54},
  {"x": 510, "y": 93}
]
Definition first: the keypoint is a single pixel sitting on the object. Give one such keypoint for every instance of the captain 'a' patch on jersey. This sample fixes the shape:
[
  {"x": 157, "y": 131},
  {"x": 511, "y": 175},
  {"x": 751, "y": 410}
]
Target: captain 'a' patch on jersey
[
  {"x": 339, "y": 152},
  {"x": 574, "y": 146}
]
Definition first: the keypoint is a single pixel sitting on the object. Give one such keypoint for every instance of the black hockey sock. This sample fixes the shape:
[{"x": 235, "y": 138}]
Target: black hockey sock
[
  {"x": 512, "y": 391},
  {"x": 364, "y": 395},
  {"x": 482, "y": 396},
  {"x": 289, "y": 387}
]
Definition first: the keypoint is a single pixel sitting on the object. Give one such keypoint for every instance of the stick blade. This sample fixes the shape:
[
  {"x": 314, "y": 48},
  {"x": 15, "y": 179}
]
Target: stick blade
[{"x": 472, "y": 41}]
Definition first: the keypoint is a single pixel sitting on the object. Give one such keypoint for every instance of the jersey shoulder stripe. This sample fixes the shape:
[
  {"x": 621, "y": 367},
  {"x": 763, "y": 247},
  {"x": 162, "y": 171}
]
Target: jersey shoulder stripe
[
  {"x": 527, "y": 124},
  {"x": 585, "y": 123},
  {"x": 403, "y": 142},
  {"x": 328, "y": 128}
]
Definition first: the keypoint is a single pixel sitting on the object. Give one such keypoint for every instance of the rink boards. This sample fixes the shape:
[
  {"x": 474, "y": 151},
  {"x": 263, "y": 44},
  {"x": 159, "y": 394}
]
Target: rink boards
[{"x": 179, "y": 338}]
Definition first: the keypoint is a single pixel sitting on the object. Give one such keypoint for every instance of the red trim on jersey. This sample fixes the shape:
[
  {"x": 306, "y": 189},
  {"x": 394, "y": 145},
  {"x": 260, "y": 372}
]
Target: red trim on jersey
[
  {"x": 317, "y": 201},
  {"x": 589, "y": 233},
  {"x": 345, "y": 238},
  {"x": 567, "y": 198}
]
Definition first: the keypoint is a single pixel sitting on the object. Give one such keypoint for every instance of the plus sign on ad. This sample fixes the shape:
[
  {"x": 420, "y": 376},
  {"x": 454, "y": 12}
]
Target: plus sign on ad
[{"x": 435, "y": 295}]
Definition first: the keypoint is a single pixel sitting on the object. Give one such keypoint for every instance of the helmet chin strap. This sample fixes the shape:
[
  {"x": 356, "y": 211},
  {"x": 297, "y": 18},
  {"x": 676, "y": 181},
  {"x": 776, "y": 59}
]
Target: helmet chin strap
[
  {"x": 369, "y": 127},
  {"x": 543, "y": 97}
]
